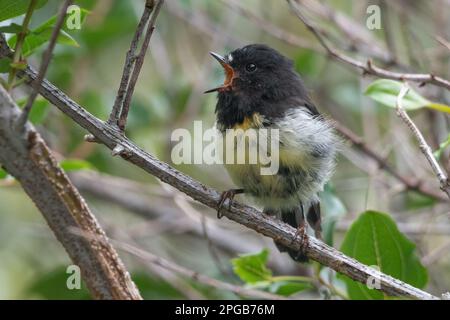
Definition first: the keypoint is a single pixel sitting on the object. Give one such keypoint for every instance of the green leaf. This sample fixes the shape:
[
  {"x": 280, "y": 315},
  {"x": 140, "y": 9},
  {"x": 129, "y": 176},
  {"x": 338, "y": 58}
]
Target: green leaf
[
  {"x": 14, "y": 8},
  {"x": 75, "y": 165},
  {"x": 374, "y": 239},
  {"x": 3, "y": 174},
  {"x": 11, "y": 28},
  {"x": 287, "y": 288},
  {"x": 39, "y": 110},
  {"x": 386, "y": 92},
  {"x": 438, "y": 153},
  {"x": 251, "y": 268},
  {"x": 416, "y": 200},
  {"x": 42, "y": 34},
  {"x": 154, "y": 288},
  {"x": 5, "y": 65},
  {"x": 53, "y": 286}
]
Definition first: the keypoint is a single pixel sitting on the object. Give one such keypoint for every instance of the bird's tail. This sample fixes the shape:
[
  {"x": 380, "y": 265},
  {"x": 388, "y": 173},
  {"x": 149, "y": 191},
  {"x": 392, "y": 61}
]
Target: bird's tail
[{"x": 296, "y": 218}]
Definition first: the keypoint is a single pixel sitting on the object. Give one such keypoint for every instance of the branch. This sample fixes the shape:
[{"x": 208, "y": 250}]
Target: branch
[
  {"x": 245, "y": 215},
  {"x": 31, "y": 162},
  {"x": 46, "y": 57},
  {"x": 423, "y": 145},
  {"x": 368, "y": 67},
  {"x": 133, "y": 64},
  {"x": 132, "y": 196},
  {"x": 197, "y": 277},
  {"x": 409, "y": 183}
]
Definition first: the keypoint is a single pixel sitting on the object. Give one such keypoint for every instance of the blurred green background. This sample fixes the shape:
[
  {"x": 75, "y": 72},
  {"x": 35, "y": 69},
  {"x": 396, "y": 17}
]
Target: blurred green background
[{"x": 133, "y": 206}]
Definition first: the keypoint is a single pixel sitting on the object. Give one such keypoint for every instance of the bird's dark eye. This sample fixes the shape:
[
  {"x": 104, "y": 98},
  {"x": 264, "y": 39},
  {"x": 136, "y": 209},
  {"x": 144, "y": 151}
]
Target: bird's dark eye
[{"x": 250, "y": 67}]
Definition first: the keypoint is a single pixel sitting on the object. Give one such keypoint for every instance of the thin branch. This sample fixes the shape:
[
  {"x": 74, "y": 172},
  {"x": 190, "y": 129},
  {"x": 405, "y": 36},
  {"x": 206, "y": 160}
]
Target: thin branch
[
  {"x": 245, "y": 215},
  {"x": 133, "y": 64},
  {"x": 195, "y": 276},
  {"x": 138, "y": 66},
  {"x": 46, "y": 57},
  {"x": 423, "y": 145},
  {"x": 410, "y": 183},
  {"x": 31, "y": 162},
  {"x": 130, "y": 60},
  {"x": 368, "y": 67}
]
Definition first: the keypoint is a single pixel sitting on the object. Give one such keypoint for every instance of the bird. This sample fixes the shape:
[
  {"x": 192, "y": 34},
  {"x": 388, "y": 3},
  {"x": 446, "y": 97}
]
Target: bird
[{"x": 262, "y": 90}]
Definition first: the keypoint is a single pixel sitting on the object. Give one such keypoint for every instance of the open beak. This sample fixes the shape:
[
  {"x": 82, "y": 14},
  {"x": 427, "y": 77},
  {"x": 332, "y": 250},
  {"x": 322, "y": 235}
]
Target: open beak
[{"x": 229, "y": 73}]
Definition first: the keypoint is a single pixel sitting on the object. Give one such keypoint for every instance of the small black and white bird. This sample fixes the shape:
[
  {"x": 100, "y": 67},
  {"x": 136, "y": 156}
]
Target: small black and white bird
[{"x": 263, "y": 90}]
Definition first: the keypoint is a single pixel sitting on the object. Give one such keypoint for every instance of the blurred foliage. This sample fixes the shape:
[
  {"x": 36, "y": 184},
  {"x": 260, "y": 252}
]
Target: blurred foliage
[
  {"x": 386, "y": 92},
  {"x": 87, "y": 65},
  {"x": 253, "y": 270}
]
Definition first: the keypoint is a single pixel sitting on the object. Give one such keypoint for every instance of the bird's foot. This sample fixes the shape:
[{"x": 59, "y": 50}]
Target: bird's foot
[
  {"x": 304, "y": 242},
  {"x": 228, "y": 194}
]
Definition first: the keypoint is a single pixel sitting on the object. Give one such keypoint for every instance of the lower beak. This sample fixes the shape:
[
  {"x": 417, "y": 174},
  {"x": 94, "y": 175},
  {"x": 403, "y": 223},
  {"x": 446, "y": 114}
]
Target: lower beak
[{"x": 229, "y": 73}]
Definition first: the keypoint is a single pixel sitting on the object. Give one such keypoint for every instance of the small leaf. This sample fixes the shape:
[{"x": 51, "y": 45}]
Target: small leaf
[
  {"x": 21, "y": 65},
  {"x": 14, "y": 8},
  {"x": 287, "y": 288},
  {"x": 437, "y": 154},
  {"x": 374, "y": 239},
  {"x": 386, "y": 92},
  {"x": 251, "y": 268},
  {"x": 75, "y": 165},
  {"x": 439, "y": 107},
  {"x": 39, "y": 110},
  {"x": 42, "y": 34},
  {"x": 3, "y": 174},
  {"x": 12, "y": 28}
]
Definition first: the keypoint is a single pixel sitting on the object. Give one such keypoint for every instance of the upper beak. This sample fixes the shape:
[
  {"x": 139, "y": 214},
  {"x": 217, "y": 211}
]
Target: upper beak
[{"x": 229, "y": 73}]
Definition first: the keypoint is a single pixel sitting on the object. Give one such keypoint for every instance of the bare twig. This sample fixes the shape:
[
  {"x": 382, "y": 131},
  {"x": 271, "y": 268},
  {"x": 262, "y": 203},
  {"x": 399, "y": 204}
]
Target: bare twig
[
  {"x": 423, "y": 145},
  {"x": 133, "y": 64},
  {"x": 46, "y": 57},
  {"x": 138, "y": 65},
  {"x": 130, "y": 59},
  {"x": 368, "y": 67},
  {"x": 245, "y": 215},
  {"x": 409, "y": 183},
  {"x": 30, "y": 161},
  {"x": 271, "y": 29}
]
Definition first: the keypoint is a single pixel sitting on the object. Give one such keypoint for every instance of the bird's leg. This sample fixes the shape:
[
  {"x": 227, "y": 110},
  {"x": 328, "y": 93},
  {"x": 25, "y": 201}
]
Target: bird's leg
[
  {"x": 228, "y": 194},
  {"x": 301, "y": 232}
]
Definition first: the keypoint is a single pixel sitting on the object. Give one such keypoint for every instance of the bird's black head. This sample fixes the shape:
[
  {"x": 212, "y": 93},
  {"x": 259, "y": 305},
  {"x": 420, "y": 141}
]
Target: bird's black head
[{"x": 257, "y": 78}]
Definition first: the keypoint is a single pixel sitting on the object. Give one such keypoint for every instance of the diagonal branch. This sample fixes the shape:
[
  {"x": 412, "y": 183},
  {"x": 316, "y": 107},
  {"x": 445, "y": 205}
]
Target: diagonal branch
[
  {"x": 245, "y": 215},
  {"x": 368, "y": 67},
  {"x": 46, "y": 57},
  {"x": 423, "y": 145},
  {"x": 31, "y": 162}
]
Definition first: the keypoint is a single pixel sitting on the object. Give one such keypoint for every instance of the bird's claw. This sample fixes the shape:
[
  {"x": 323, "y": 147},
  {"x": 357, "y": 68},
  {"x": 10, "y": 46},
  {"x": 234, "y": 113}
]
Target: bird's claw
[
  {"x": 228, "y": 194},
  {"x": 304, "y": 242}
]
